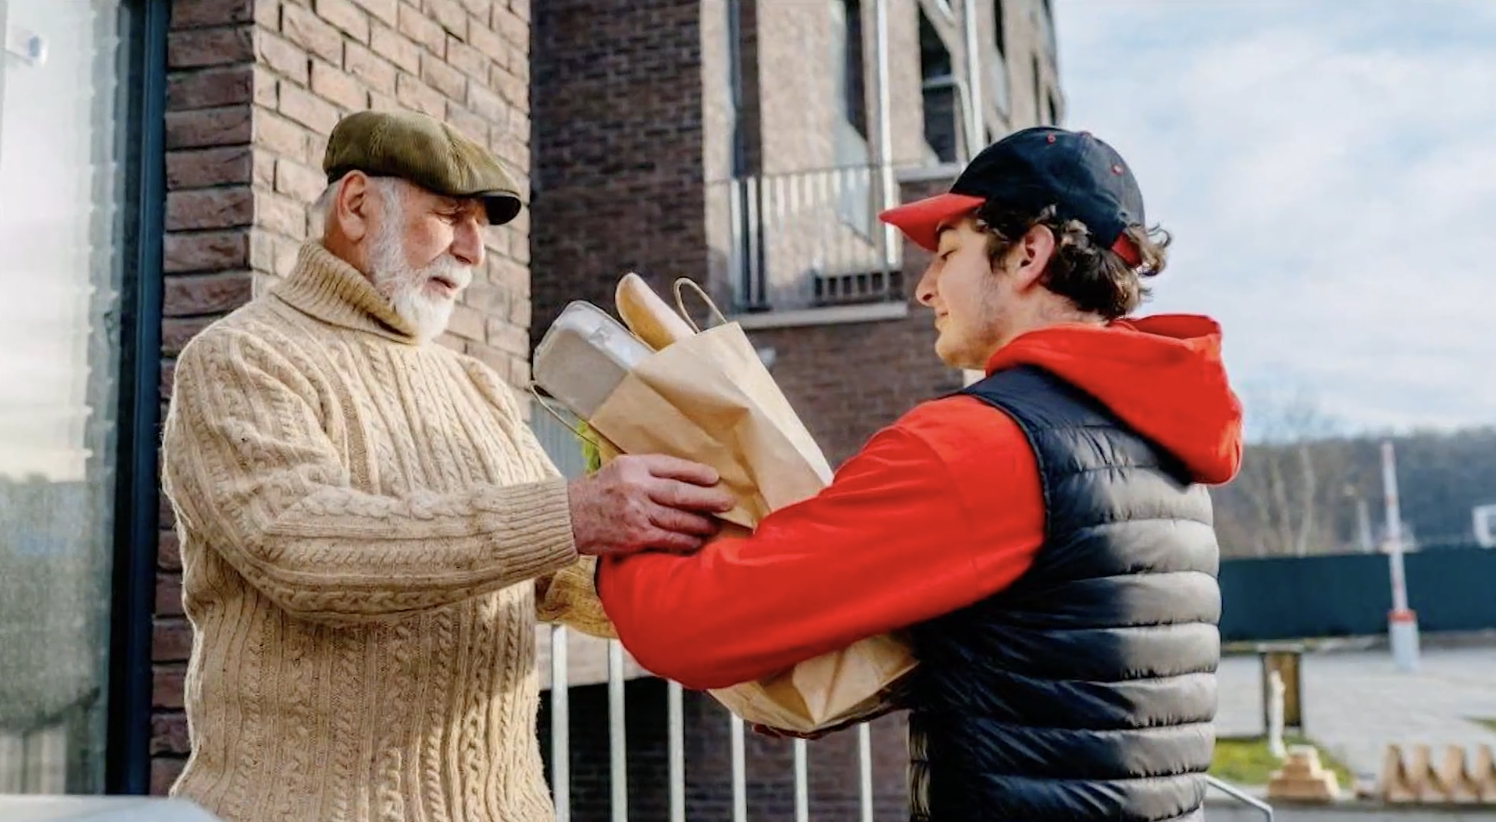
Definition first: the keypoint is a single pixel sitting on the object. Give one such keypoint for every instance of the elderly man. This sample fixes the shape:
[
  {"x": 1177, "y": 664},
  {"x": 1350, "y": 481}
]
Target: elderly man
[
  {"x": 1043, "y": 537},
  {"x": 369, "y": 531}
]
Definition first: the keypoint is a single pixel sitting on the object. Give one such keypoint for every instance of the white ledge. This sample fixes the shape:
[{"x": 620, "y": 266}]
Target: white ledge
[
  {"x": 925, "y": 174},
  {"x": 827, "y": 315}
]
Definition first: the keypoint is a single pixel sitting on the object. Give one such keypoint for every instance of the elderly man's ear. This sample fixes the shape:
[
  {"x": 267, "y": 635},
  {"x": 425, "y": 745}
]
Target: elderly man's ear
[{"x": 351, "y": 206}]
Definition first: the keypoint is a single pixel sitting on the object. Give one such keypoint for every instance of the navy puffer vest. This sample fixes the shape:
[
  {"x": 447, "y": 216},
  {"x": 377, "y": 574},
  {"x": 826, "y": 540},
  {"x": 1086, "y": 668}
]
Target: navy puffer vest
[{"x": 1086, "y": 690}]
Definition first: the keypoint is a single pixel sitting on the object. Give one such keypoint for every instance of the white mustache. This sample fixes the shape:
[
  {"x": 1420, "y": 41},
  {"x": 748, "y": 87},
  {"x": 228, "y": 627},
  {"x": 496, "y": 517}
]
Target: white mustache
[{"x": 448, "y": 268}]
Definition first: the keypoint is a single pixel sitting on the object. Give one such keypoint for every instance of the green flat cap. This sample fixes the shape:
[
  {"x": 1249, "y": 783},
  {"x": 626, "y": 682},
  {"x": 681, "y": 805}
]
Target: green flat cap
[{"x": 424, "y": 151}]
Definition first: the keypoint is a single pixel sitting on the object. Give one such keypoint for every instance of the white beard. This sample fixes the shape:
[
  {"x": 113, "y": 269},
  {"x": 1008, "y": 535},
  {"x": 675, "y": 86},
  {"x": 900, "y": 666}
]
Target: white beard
[{"x": 404, "y": 286}]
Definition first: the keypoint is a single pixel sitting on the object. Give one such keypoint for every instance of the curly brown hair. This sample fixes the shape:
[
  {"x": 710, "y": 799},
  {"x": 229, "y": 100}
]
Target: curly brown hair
[{"x": 1094, "y": 278}]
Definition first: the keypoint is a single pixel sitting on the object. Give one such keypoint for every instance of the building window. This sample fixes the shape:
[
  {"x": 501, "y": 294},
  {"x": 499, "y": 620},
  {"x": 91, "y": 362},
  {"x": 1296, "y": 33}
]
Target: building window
[
  {"x": 942, "y": 103},
  {"x": 853, "y": 156},
  {"x": 1047, "y": 24},
  {"x": 847, "y": 63},
  {"x": 65, "y": 236},
  {"x": 1039, "y": 93},
  {"x": 998, "y": 73},
  {"x": 999, "y": 27}
]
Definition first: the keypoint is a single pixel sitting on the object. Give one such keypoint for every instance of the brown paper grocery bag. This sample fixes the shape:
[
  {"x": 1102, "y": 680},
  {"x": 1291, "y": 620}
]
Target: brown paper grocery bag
[{"x": 710, "y": 399}]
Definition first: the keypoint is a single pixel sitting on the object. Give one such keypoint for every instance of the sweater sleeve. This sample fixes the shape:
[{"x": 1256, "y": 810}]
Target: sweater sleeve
[
  {"x": 247, "y": 464},
  {"x": 933, "y": 514},
  {"x": 569, "y": 597}
]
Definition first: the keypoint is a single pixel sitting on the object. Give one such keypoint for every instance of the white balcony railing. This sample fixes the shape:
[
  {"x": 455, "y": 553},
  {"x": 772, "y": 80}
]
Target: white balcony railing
[
  {"x": 810, "y": 239},
  {"x": 559, "y": 694}
]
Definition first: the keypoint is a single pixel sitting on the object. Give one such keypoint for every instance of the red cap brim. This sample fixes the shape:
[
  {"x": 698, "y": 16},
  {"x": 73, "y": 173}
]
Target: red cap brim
[{"x": 920, "y": 220}]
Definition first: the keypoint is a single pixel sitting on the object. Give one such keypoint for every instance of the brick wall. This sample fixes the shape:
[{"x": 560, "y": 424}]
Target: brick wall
[
  {"x": 847, "y": 381},
  {"x": 254, "y": 87},
  {"x": 618, "y": 161},
  {"x": 463, "y": 61}
]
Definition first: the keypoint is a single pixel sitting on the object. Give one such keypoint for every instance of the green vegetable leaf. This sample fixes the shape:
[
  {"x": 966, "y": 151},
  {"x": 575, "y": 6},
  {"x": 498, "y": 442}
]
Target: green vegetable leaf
[{"x": 590, "y": 452}]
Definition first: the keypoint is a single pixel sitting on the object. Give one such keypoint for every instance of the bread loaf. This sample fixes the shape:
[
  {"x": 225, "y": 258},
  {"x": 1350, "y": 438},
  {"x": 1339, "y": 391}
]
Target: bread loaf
[{"x": 649, "y": 317}]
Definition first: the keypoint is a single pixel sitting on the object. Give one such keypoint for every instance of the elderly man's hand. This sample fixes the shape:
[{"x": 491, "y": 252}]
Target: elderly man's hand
[{"x": 646, "y": 502}]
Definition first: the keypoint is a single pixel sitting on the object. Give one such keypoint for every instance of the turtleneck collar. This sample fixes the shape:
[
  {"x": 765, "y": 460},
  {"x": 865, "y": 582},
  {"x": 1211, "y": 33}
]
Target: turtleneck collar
[{"x": 327, "y": 287}]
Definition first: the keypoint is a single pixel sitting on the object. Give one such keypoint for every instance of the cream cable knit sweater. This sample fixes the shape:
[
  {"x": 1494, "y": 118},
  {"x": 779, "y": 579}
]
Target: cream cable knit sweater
[{"x": 369, "y": 532}]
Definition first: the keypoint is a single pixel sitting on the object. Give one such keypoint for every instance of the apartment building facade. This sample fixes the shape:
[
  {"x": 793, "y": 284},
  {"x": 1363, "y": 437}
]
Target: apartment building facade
[
  {"x": 157, "y": 162},
  {"x": 748, "y": 145}
]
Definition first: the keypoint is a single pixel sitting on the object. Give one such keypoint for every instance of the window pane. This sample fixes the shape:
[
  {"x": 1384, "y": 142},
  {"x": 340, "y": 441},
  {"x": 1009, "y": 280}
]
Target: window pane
[{"x": 61, "y": 256}]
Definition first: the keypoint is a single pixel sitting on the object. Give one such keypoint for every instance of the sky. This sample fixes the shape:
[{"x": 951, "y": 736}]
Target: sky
[{"x": 1328, "y": 171}]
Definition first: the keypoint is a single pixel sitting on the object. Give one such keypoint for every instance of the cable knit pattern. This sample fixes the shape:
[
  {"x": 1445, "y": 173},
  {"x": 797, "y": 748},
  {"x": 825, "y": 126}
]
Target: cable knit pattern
[{"x": 369, "y": 532}]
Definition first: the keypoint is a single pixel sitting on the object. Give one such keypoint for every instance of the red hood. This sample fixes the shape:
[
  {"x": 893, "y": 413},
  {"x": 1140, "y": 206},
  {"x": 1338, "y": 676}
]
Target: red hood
[{"x": 1161, "y": 375}]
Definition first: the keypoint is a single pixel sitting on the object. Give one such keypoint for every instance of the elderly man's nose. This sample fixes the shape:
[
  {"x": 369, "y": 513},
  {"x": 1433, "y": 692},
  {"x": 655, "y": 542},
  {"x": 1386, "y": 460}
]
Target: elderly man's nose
[{"x": 467, "y": 243}]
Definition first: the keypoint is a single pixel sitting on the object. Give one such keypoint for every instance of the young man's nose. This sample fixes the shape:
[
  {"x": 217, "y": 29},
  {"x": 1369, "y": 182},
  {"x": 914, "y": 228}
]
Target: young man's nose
[{"x": 924, "y": 290}]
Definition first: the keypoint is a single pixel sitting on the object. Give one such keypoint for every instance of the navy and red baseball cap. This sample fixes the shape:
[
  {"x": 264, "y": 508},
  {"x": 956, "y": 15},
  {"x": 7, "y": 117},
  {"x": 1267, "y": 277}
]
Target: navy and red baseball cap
[{"x": 1082, "y": 177}]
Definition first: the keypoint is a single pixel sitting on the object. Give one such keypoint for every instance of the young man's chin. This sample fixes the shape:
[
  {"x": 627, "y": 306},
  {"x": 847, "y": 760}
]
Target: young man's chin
[{"x": 952, "y": 356}]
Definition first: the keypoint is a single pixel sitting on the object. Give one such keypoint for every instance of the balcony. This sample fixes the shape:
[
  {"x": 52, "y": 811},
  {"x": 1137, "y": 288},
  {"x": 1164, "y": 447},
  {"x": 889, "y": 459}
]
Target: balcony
[{"x": 806, "y": 247}]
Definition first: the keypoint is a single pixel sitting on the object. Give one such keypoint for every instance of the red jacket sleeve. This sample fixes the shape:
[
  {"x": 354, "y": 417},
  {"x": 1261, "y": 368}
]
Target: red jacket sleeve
[{"x": 936, "y": 512}]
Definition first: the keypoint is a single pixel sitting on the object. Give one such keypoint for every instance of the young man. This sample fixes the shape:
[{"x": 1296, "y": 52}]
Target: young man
[
  {"x": 369, "y": 530},
  {"x": 1043, "y": 537}
]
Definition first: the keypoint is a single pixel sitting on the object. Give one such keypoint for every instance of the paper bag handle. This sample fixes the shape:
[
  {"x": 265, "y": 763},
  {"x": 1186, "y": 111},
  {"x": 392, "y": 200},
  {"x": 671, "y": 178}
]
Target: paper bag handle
[
  {"x": 680, "y": 303},
  {"x": 569, "y": 426}
]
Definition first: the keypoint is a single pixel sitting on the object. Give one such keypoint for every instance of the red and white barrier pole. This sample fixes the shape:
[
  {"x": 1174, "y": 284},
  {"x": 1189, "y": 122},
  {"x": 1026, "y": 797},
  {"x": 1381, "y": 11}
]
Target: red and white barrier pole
[{"x": 1402, "y": 623}]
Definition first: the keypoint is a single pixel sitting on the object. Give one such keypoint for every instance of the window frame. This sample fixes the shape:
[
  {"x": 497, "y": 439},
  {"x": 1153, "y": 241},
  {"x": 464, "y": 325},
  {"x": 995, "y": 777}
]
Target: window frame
[{"x": 127, "y": 759}]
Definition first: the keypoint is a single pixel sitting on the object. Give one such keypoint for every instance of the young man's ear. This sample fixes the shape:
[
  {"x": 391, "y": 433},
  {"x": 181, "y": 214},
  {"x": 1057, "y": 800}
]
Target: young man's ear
[{"x": 1031, "y": 256}]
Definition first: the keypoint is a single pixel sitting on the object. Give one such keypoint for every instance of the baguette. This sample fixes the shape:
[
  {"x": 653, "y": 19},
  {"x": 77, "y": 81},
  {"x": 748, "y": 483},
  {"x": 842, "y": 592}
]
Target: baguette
[{"x": 649, "y": 317}]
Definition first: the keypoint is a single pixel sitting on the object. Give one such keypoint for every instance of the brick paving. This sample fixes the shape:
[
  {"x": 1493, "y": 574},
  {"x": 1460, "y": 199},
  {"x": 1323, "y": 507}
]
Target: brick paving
[{"x": 1356, "y": 703}]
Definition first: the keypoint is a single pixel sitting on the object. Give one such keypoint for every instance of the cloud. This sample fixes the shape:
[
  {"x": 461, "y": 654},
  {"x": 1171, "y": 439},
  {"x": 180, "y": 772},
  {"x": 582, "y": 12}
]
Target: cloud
[{"x": 1328, "y": 170}]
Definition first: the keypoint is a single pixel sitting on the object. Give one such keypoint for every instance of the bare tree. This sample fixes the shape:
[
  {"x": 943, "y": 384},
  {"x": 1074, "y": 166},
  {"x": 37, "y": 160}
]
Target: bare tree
[{"x": 1293, "y": 477}]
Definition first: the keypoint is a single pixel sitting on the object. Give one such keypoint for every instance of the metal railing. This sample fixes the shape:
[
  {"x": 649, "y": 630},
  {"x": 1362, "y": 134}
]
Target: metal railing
[
  {"x": 1240, "y": 795},
  {"x": 675, "y": 735},
  {"x": 811, "y": 239},
  {"x": 560, "y": 741}
]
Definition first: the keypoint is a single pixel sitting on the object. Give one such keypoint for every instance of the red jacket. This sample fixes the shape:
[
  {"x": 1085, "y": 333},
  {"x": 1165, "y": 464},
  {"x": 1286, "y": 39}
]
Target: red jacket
[{"x": 937, "y": 511}]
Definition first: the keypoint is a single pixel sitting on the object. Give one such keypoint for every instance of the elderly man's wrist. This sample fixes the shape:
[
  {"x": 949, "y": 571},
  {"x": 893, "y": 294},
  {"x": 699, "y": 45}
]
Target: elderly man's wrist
[{"x": 530, "y": 524}]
